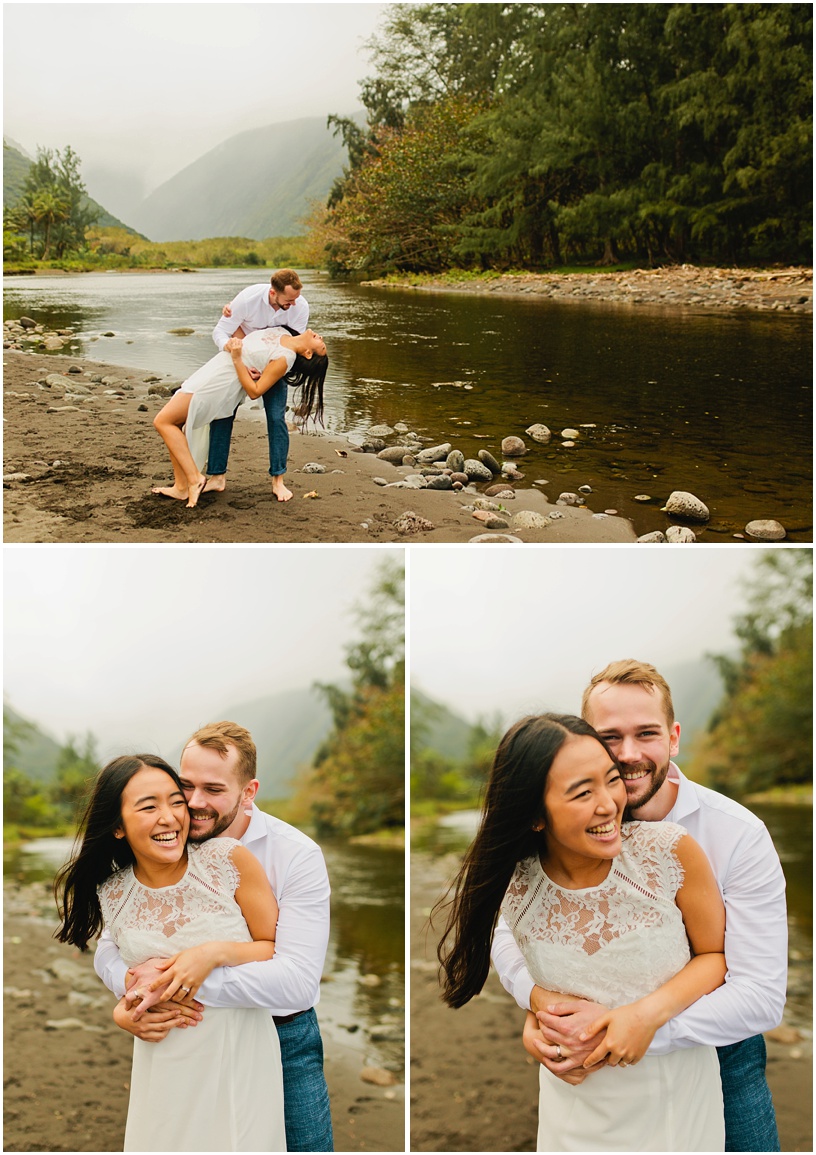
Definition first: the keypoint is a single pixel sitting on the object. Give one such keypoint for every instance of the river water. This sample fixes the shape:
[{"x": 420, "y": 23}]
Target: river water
[
  {"x": 790, "y": 827},
  {"x": 362, "y": 998},
  {"x": 715, "y": 403}
]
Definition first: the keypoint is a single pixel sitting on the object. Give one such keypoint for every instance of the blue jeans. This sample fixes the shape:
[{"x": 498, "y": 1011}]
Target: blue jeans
[
  {"x": 750, "y": 1121},
  {"x": 305, "y": 1095},
  {"x": 275, "y": 407}
]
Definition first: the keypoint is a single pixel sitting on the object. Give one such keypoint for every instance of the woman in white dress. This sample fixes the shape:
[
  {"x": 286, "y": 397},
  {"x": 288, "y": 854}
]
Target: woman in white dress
[
  {"x": 626, "y": 914},
  {"x": 219, "y": 1086},
  {"x": 218, "y": 387}
]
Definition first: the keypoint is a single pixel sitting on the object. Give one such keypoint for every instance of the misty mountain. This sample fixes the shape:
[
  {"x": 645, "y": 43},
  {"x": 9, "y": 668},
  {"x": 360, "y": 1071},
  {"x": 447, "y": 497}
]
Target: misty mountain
[
  {"x": 15, "y": 170},
  {"x": 287, "y": 729},
  {"x": 441, "y": 728},
  {"x": 36, "y": 753},
  {"x": 257, "y": 184}
]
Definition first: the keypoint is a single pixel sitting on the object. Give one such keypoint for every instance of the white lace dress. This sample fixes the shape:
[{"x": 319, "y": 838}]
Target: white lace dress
[
  {"x": 615, "y": 943},
  {"x": 216, "y": 1086},
  {"x": 217, "y": 391}
]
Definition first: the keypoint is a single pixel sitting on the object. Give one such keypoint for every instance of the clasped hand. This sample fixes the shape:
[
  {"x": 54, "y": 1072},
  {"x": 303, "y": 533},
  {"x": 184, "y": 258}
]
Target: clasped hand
[{"x": 174, "y": 979}]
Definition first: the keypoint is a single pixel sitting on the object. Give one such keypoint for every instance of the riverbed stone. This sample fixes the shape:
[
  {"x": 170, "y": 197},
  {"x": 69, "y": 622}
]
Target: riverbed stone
[
  {"x": 569, "y": 499},
  {"x": 501, "y": 490},
  {"x": 570, "y": 434},
  {"x": 415, "y": 481},
  {"x": 476, "y": 471},
  {"x": 434, "y": 453},
  {"x": 641, "y": 497},
  {"x": 455, "y": 461},
  {"x": 585, "y": 489},
  {"x": 768, "y": 530},
  {"x": 52, "y": 344},
  {"x": 27, "y": 323},
  {"x": 160, "y": 389},
  {"x": 513, "y": 447},
  {"x": 313, "y": 467},
  {"x": 372, "y": 445},
  {"x": 410, "y": 522},
  {"x": 460, "y": 478},
  {"x": 686, "y": 505},
  {"x": 539, "y": 432},
  {"x": 380, "y": 431},
  {"x": 394, "y": 454},
  {"x": 441, "y": 482},
  {"x": 57, "y": 379},
  {"x": 529, "y": 519},
  {"x": 656, "y": 535},
  {"x": 680, "y": 533},
  {"x": 496, "y": 539},
  {"x": 487, "y": 458},
  {"x": 484, "y": 503}
]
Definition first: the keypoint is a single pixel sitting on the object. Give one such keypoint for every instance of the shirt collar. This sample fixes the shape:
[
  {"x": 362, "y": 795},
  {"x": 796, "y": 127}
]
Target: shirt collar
[
  {"x": 256, "y": 828},
  {"x": 687, "y": 800}
]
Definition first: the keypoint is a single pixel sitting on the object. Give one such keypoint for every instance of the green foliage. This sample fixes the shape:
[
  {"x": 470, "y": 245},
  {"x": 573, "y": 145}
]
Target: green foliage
[
  {"x": 592, "y": 132},
  {"x": 29, "y": 801},
  {"x": 53, "y": 212},
  {"x": 357, "y": 784},
  {"x": 761, "y": 735}
]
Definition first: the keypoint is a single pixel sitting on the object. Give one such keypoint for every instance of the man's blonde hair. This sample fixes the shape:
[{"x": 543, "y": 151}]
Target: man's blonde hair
[
  {"x": 632, "y": 673},
  {"x": 219, "y": 736}
]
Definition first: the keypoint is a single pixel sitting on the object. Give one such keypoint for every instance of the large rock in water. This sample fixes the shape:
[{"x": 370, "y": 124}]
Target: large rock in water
[
  {"x": 434, "y": 453},
  {"x": 765, "y": 530},
  {"x": 686, "y": 505},
  {"x": 513, "y": 447},
  {"x": 539, "y": 432},
  {"x": 476, "y": 471},
  {"x": 487, "y": 458}
]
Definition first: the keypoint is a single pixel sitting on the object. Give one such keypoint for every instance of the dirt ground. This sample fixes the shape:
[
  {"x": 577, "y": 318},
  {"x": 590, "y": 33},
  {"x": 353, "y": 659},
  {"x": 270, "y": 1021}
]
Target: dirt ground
[
  {"x": 473, "y": 1086},
  {"x": 67, "y": 1067},
  {"x": 81, "y": 471}
]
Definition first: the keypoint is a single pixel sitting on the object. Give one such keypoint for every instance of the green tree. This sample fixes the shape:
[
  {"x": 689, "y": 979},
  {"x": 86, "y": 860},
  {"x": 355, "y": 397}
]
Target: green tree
[
  {"x": 357, "y": 784},
  {"x": 77, "y": 766},
  {"x": 761, "y": 735},
  {"x": 54, "y": 205}
]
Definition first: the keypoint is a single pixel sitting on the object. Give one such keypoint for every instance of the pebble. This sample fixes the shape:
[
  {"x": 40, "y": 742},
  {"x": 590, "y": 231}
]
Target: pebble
[
  {"x": 570, "y": 434},
  {"x": 686, "y": 505},
  {"x": 765, "y": 530},
  {"x": 585, "y": 489},
  {"x": 513, "y": 447},
  {"x": 567, "y": 444},
  {"x": 539, "y": 433},
  {"x": 569, "y": 499},
  {"x": 642, "y": 497}
]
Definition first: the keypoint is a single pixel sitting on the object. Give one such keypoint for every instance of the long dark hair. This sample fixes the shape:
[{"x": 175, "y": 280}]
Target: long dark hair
[
  {"x": 513, "y": 804},
  {"x": 308, "y": 375},
  {"x": 101, "y": 853}
]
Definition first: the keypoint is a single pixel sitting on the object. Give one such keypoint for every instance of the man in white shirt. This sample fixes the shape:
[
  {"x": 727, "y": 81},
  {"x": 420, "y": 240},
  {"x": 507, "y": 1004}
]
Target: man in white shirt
[
  {"x": 218, "y": 776},
  {"x": 260, "y": 307},
  {"x": 630, "y": 706}
]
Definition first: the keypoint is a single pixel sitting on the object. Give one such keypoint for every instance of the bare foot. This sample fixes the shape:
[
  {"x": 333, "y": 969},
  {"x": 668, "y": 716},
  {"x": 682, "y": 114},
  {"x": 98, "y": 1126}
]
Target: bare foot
[
  {"x": 196, "y": 491},
  {"x": 279, "y": 489},
  {"x": 216, "y": 484},
  {"x": 171, "y": 491}
]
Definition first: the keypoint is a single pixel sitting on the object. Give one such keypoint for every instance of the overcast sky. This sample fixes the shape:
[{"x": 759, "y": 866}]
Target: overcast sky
[
  {"x": 141, "y": 645},
  {"x": 148, "y": 88},
  {"x": 522, "y": 630}
]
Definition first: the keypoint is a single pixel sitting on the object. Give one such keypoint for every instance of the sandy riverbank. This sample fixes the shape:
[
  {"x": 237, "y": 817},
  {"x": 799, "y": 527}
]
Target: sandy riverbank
[
  {"x": 66, "y": 1087},
  {"x": 784, "y": 290},
  {"x": 473, "y": 1086},
  {"x": 80, "y": 469}
]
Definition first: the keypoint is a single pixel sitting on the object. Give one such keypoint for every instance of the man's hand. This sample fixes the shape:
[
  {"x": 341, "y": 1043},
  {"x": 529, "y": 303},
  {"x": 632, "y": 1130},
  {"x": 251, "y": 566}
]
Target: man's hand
[
  {"x": 561, "y": 1028},
  {"x": 226, "y": 311},
  {"x": 139, "y": 994},
  {"x": 156, "y": 1023},
  {"x": 568, "y": 1067}
]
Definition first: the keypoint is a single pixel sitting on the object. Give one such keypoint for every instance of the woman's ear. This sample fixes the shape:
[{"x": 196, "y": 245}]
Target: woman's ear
[
  {"x": 118, "y": 832},
  {"x": 308, "y": 354}
]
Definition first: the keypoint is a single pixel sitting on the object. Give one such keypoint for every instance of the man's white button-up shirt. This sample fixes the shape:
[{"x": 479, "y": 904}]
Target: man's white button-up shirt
[{"x": 251, "y": 311}]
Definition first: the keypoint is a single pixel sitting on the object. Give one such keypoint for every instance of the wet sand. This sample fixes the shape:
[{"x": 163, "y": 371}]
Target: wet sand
[
  {"x": 67, "y": 1067},
  {"x": 81, "y": 470},
  {"x": 473, "y": 1086}
]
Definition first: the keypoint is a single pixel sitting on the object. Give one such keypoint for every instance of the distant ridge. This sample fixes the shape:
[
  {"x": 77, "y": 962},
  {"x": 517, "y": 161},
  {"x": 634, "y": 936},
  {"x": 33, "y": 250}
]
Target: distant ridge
[{"x": 257, "y": 184}]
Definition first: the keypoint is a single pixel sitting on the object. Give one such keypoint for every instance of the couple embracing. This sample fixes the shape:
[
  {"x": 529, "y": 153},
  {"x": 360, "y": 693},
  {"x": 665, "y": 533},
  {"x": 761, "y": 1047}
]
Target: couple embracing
[
  {"x": 216, "y": 923},
  {"x": 640, "y": 920},
  {"x": 265, "y": 345}
]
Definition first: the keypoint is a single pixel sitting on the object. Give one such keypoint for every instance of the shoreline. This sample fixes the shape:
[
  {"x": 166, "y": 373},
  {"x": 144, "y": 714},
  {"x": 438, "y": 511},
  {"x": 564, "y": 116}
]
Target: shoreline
[
  {"x": 80, "y": 457},
  {"x": 694, "y": 287}
]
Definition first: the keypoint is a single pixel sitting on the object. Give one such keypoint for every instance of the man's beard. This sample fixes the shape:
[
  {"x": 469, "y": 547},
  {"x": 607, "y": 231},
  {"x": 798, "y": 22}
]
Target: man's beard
[
  {"x": 221, "y": 824},
  {"x": 658, "y": 777}
]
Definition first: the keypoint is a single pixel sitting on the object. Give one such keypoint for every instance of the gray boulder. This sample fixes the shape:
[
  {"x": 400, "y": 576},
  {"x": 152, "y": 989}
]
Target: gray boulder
[
  {"x": 455, "y": 461},
  {"x": 489, "y": 460},
  {"x": 476, "y": 471},
  {"x": 687, "y": 506}
]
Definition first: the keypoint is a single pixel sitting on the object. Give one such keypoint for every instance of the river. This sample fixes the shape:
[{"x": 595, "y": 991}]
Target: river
[
  {"x": 715, "y": 403},
  {"x": 791, "y": 828},
  {"x": 362, "y": 1000}
]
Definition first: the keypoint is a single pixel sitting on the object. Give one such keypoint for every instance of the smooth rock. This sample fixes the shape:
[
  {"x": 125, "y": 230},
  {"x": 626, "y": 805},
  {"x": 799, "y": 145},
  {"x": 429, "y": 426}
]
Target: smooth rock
[
  {"x": 529, "y": 519},
  {"x": 27, "y": 323},
  {"x": 455, "y": 461},
  {"x": 656, "y": 535},
  {"x": 487, "y": 458},
  {"x": 686, "y": 505},
  {"x": 372, "y": 445},
  {"x": 434, "y": 453},
  {"x": 460, "y": 478},
  {"x": 160, "y": 390},
  {"x": 642, "y": 497},
  {"x": 57, "y": 379},
  {"x": 484, "y": 503},
  {"x": 183, "y": 332},
  {"x": 476, "y": 471},
  {"x": 567, "y": 444},
  {"x": 442, "y": 482},
  {"x": 539, "y": 433},
  {"x": 570, "y": 434},
  {"x": 380, "y": 431},
  {"x": 500, "y": 490},
  {"x": 52, "y": 344},
  {"x": 680, "y": 533},
  {"x": 415, "y": 481},
  {"x": 378, "y": 1076},
  {"x": 765, "y": 530},
  {"x": 394, "y": 454},
  {"x": 585, "y": 489},
  {"x": 569, "y": 499},
  {"x": 513, "y": 447},
  {"x": 313, "y": 467},
  {"x": 496, "y": 539}
]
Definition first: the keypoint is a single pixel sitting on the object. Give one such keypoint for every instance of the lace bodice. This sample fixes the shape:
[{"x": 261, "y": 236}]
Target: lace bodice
[
  {"x": 263, "y": 346},
  {"x": 611, "y": 943},
  {"x": 156, "y": 923}
]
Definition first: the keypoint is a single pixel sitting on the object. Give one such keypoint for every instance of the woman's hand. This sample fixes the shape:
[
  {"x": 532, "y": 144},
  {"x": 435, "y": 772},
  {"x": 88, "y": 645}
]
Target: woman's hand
[
  {"x": 187, "y": 970},
  {"x": 629, "y": 1032},
  {"x": 234, "y": 347}
]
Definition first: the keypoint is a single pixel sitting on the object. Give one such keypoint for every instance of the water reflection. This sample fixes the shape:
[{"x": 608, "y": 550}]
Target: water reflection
[{"x": 715, "y": 403}]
